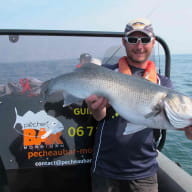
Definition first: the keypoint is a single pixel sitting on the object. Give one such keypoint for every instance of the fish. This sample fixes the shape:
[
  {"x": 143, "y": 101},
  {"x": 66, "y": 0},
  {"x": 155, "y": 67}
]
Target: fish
[
  {"x": 41, "y": 119},
  {"x": 142, "y": 103}
]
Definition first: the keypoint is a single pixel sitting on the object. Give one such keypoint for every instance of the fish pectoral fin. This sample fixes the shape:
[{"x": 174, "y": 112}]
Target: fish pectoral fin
[
  {"x": 175, "y": 119},
  {"x": 69, "y": 99},
  {"x": 133, "y": 128},
  {"x": 155, "y": 111}
]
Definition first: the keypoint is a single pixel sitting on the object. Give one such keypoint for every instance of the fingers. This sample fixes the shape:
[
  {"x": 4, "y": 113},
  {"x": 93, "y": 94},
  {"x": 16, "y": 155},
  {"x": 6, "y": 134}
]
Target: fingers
[
  {"x": 188, "y": 132},
  {"x": 96, "y": 102}
]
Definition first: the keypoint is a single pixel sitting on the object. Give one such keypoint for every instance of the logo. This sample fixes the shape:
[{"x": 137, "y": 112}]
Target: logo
[
  {"x": 138, "y": 25},
  {"x": 39, "y": 128}
]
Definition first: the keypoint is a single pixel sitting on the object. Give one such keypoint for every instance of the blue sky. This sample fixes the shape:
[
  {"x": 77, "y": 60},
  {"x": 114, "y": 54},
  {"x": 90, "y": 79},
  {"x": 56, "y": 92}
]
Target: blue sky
[{"x": 171, "y": 18}]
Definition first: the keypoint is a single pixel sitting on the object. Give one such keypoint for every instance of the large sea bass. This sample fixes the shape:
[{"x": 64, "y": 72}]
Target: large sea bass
[{"x": 142, "y": 103}]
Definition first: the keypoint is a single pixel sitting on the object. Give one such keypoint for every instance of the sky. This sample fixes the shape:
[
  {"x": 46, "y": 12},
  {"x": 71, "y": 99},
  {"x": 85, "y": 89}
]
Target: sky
[{"x": 171, "y": 19}]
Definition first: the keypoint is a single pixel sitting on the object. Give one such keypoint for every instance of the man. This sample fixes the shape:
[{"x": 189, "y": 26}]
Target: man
[
  {"x": 84, "y": 58},
  {"x": 127, "y": 163}
]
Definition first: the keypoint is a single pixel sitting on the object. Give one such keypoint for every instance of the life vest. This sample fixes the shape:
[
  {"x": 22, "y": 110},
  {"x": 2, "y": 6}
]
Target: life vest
[
  {"x": 78, "y": 65},
  {"x": 149, "y": 73}
]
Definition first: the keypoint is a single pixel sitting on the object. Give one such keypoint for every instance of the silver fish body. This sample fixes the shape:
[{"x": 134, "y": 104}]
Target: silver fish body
[{"x": 142, "y": 103}]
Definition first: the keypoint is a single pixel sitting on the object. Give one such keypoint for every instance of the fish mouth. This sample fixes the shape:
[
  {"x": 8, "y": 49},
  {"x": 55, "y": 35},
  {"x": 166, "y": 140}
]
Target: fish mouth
[
  {"x": 44, "y": 97},
  {"x": 53, "y": 97},
  {"x": 44, "y": 90}
]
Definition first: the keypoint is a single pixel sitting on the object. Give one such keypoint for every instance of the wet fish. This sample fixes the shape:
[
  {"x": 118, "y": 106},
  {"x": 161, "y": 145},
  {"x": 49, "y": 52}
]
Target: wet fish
[{"x": 142, "y": 103}]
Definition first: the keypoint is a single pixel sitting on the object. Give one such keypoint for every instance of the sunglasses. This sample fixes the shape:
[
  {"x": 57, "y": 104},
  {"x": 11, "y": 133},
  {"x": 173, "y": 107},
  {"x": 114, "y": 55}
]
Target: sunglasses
[{"x": 134, "y": 40}]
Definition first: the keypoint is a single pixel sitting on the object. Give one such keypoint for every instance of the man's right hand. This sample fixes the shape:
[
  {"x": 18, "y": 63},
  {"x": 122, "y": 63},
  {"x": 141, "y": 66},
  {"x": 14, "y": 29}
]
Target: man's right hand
[{"x": 97, "y": 105}]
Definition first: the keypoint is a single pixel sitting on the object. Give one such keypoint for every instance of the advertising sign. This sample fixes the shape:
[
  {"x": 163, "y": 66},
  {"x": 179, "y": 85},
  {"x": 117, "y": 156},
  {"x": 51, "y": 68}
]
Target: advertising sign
[{"x": 44, "y": 144}]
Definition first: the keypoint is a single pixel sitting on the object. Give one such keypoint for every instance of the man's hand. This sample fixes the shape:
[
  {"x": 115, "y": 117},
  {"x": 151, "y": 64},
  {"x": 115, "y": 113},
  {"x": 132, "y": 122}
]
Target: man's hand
[
  {"x": 97, "y": 105},
  {"x": 188, "y": 132}
]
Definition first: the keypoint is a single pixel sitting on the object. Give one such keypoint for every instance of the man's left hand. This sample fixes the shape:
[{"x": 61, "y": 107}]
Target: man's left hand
[{"x": 188, "y": 132}]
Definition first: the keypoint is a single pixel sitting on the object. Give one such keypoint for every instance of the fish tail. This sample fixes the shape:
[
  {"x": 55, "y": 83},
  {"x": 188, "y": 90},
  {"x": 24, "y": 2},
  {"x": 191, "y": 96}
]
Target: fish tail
[{"x": 16, "y": 120}]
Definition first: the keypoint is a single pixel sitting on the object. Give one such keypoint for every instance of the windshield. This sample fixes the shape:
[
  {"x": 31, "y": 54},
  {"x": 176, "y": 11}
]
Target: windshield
[{"x": 35, "y": 134}]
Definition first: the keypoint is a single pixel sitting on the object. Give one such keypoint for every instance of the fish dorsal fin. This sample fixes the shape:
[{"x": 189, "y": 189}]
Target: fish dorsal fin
[{"x": 17, "y": 118}]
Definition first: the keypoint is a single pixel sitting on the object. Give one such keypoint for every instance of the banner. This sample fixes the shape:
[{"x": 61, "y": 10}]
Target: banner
[{"x": 36, "y": 133}]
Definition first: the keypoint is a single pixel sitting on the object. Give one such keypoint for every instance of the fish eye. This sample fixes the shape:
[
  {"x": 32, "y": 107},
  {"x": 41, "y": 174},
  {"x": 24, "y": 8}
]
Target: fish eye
[{"x": 53, "y": 123}]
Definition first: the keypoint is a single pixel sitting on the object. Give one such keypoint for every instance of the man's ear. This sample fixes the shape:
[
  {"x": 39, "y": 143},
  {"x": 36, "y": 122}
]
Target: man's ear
[
  {"x": 153, "y": 41},
  {"x": 123, "y": 41}
]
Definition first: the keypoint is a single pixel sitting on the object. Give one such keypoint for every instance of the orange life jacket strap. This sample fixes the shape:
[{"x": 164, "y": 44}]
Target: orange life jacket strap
[{"x": 150, "y": 72}]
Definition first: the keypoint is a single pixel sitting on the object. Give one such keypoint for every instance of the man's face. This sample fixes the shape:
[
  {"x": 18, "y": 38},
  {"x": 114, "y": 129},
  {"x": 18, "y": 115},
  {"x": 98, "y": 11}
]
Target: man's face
[
  {"x": 138, "y": 53},
  {"x": 85, "y": 60}
]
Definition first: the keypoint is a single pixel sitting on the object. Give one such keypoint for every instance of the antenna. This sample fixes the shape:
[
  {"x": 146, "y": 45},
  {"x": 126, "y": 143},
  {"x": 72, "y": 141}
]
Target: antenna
[
  {"x": 113, "y": 54},
  {"x": 157, "y": 6}
]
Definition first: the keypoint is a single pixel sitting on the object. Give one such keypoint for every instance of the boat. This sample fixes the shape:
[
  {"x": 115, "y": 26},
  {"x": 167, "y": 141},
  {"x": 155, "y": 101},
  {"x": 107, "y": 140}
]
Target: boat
[{"x": 30, "y": 158}]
